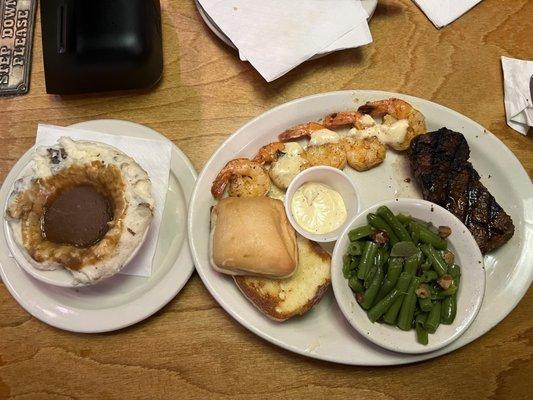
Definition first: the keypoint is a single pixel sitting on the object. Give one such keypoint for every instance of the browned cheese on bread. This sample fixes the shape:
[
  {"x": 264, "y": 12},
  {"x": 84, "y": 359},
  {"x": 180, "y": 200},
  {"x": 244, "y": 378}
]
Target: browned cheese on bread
[
  {"x": 281, "y": 299},
  {"x": 252, "y": 236}
]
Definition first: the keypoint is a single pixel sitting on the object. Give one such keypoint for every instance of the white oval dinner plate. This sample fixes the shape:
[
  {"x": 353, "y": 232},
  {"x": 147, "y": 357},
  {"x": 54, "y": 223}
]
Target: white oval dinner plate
[
  {"x": 121, "y": 300},
  {"x": 323, "y": 332}
]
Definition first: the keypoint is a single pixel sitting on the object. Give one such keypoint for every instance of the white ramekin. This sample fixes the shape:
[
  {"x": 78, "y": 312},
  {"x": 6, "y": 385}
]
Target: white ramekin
[{"x": 337, "y": 180}]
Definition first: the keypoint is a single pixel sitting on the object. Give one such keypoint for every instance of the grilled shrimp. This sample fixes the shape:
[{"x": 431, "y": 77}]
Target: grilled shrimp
[
  {"x": 247, "y": 178},
  {"x": 269, "y": 153},
  {"x": 364, "y": 154},
  {"x": 324, "y": 145},
  {"x": 398, "y": 109},
  {"x": 346, "y": 118},
  {"x": 301, "y": 131},
  {"x": 286, "y": 161}
]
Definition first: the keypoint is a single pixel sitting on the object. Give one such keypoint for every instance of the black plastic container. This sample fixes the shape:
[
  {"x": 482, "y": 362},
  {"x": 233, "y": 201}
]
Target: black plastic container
[{"x": 101, "y": 45}]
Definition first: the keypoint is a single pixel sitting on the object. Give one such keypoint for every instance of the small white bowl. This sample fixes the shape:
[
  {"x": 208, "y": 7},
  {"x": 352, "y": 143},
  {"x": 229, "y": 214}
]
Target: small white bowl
[
  {"x": 337, "y": 180},
  {"x": 469, "y": 297},
  {"x": 58, "y": 277}
]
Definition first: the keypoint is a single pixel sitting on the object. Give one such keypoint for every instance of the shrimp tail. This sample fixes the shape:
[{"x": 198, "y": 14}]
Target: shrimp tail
[
  {"x": 342, "y": 119},
  {"x": 300, "y": 131},
  {"x": 223, "y": 177},
  {"x": 269, "y": 153}
]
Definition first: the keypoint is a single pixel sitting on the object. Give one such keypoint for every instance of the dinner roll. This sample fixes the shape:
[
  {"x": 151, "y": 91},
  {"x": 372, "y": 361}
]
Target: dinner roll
[{"x": 252, "y": 236}]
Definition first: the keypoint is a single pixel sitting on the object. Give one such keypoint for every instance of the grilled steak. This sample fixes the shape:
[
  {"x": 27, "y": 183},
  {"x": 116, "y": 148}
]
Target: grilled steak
[{"x": 439, "y": 161}]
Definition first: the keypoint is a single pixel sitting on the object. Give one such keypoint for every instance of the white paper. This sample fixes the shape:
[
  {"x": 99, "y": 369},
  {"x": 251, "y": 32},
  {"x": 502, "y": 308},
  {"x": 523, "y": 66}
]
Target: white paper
[
  {"x": 153, "y": 155},
  {"x": 277, "y": 35},
  {"x": 518, "y": 102},
  {"x": 443, "y": 12},
  {"x": 357, "y": 37}
]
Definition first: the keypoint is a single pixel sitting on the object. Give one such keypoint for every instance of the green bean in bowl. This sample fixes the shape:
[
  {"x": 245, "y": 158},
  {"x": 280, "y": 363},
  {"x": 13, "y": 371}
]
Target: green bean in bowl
[{"x": 402, "y": 273}]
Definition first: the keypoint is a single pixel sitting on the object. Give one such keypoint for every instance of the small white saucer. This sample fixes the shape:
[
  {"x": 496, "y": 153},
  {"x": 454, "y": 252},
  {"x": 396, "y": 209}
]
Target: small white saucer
[{"x": 121, "y": 300}]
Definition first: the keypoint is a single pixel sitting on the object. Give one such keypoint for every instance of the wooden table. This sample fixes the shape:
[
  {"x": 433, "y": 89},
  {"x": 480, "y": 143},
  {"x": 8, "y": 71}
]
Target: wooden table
[{"x": 192, "y": 348}]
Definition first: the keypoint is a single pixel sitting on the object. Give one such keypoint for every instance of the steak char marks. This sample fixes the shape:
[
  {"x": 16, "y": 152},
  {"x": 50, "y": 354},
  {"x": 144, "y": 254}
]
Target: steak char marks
[{"x": 439, "y": 161}]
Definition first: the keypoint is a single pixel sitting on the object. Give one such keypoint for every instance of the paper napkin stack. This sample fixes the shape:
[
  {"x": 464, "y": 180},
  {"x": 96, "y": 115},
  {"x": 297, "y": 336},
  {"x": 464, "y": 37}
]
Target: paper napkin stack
[
  {"x": 277, "y": 35},
  {"x": 443, "y": 12}
]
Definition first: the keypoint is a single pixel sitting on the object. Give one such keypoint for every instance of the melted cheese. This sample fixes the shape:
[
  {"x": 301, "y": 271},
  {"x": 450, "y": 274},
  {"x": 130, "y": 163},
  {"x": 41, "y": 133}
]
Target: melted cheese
[
  {"x": 392, "y": 134},
  {"x": 323, "y": 136},
  {"x": 283, "y": 171}
]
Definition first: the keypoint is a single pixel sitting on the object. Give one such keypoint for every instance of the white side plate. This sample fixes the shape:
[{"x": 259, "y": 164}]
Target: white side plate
[
  {"x": 121, "y": 300},
  {"x": 324, "y": 333}
]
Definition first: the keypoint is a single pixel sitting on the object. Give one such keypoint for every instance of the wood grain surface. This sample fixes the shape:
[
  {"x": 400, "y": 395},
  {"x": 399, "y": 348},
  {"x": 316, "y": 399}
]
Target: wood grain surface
[{"x": 192, "y": 348}]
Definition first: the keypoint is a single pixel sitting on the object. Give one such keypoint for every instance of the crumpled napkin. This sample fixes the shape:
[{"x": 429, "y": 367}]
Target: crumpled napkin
[
  {"x": 143, "y": 151},
  {"x": 443, "y": 12},
  {"x": 277, "y": 35},
  {"x": 517, "y": 82}
]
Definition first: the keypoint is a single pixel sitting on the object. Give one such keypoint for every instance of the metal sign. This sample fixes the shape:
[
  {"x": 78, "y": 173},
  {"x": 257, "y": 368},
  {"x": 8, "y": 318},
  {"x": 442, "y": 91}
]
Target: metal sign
[{"x": 16, "y": 36}]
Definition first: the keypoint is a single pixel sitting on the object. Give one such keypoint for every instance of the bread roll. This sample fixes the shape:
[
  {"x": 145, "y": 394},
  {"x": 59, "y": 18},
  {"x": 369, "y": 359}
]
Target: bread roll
[{"x": 252, "y": 236}]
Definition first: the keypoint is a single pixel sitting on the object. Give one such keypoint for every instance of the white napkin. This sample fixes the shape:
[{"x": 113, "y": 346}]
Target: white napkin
[
  {"x": 358, "y": 36},
  {"x": 153, "y": 155},
  {"x": 443, "y": 12},
  {"x": 517, "y": 75},
  {"x": 277, "y": 35}
]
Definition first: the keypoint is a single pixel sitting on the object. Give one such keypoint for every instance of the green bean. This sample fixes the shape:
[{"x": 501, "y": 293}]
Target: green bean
[
  {"x": 403, "y": 218},
  {"x": 414, "y": 230},
  {"x": 348, "y": 266},
  {"x": 382, "y": 256},
  {"x": 402, "y": 286},
  {"x": 428, "y": 276},
  {"x": 359, "y": 233},
  {"x": 430, "y": 237},
  {"x": 434, "y": 257},
  {"x": 455, "y": 271},
  {"x": 393, "y": 273},
  {"x": 372, "y": 269},
  {"x": 370, "y": 275},
  {"x": 372, "y": 291},
  {"x": 379, "y": 223},
  {"x": 449, "y": 304},
  {"x": 425, "y": 266},
  {"x": 369, "y": 252},
  {"x": 421, "y": 332},
  {"x": 433, "y": 319},
  {"x": 396, "y": 226},
  {"x": 356, "y": 285},
  {"x": 383, "y": 305},
  {"x": 450, "y": 291},
  {"x": 448, "y": 310},
  {"x": 355, "y": 248},
  {"x": 405, "y": 318},
  {"x": 425, "y": 304},
  {"x": 411, "y": 264}
]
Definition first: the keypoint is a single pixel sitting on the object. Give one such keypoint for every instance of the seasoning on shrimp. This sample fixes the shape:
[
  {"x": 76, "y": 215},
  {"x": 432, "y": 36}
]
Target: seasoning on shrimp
[
  {"x": 405, "y": 117},
  {"x": 246, "y": 178},
  {"x": 286, "y": 161},
  {"x": 324, "y": 146}
]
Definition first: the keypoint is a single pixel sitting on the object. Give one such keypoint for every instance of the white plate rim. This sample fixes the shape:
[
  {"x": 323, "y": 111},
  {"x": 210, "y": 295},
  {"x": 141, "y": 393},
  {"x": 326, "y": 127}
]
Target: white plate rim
[
  {"x": 151, "y": 301},
  {"x": 354, "y": 94}
]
